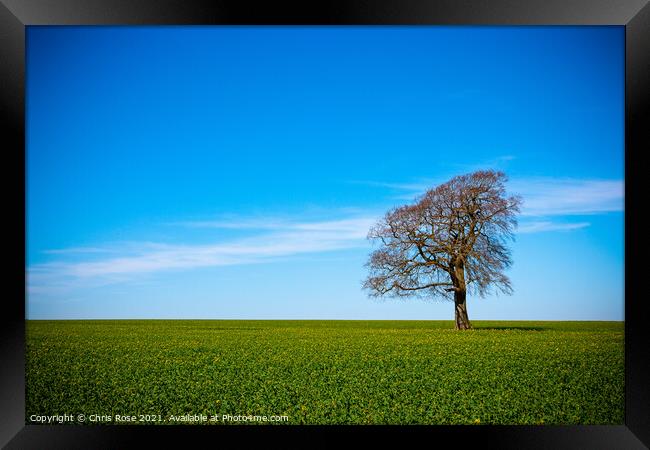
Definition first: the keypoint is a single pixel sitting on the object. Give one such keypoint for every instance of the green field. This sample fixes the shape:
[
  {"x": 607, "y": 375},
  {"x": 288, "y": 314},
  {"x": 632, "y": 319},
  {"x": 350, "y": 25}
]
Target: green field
[{"x": 329, "y": 372}]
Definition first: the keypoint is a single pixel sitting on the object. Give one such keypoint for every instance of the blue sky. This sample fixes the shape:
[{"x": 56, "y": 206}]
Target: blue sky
[{"x": 234, "y": 172}]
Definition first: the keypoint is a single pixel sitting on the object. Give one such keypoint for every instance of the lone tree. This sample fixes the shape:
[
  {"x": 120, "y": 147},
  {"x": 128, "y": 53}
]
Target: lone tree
[{"x": 451, "y": 240}]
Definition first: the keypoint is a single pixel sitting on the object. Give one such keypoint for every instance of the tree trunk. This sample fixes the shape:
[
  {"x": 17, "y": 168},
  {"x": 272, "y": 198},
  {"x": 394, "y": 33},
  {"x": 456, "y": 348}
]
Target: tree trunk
[
  {"x": 462, "y": 321},
  {"x": 460, "y": 296}
]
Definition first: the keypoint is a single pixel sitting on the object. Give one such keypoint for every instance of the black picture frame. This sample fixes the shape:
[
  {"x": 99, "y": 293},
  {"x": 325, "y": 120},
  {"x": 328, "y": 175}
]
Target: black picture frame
[{"x": 15, "y": 15}]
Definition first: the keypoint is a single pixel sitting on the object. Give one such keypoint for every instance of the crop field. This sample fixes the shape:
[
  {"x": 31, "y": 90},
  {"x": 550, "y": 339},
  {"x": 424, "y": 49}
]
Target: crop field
[{"x": 325, "y": 372}]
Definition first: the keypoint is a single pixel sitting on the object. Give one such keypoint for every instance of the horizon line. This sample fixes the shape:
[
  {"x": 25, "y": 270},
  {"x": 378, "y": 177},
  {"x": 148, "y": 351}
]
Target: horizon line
[{"x": 336, "y": 320}]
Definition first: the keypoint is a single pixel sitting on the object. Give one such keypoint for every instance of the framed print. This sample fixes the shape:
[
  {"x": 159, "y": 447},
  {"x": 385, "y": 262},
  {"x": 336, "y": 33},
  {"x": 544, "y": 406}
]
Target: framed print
[{"x": 373, "y": 218}]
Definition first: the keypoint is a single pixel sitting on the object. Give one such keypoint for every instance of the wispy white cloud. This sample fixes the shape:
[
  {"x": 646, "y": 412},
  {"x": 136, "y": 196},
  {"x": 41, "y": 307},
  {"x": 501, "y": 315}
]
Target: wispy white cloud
[
  {"x": 238, "y": 223},
  {"x": 538, "y": 227},
  {"x": 562, "y": 197},
  {"x": 404, "y": 191},
  {"x": 123, "y": 247},
  {"x": 77, "y": 250},
  {"x": 412, "y": 189},
  {"x": 278, "y": 238},
  {"x": 286, "y": 224},
  {"x": 542, "y": 198},
  {"x": 270, "y": 238}
]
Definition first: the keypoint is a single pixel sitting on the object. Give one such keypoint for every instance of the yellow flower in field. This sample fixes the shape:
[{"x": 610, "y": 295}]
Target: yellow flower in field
[{"x": 477, "y": 421}]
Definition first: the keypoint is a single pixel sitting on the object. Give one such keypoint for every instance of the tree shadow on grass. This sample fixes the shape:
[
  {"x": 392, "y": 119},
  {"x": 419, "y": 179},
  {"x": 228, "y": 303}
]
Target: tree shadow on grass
[{"x": 512, "y": 328}]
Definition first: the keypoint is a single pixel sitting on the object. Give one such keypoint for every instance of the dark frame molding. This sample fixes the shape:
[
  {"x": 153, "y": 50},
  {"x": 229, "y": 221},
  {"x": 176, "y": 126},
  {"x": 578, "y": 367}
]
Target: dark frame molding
[{"x": 15, "y": 15}]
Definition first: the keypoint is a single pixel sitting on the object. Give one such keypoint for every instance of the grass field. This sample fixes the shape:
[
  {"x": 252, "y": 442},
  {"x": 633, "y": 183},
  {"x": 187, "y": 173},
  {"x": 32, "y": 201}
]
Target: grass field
[{"x": 328, "y": 372}]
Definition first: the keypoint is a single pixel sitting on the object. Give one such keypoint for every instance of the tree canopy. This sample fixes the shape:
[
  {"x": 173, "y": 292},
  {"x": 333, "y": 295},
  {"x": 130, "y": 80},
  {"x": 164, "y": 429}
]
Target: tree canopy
[{"x": 451, "y": 240}]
